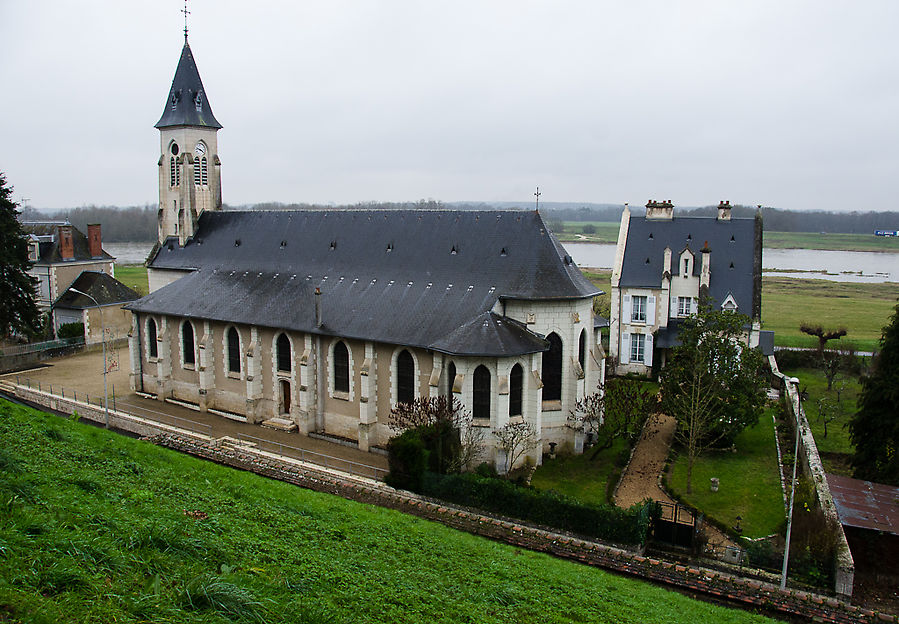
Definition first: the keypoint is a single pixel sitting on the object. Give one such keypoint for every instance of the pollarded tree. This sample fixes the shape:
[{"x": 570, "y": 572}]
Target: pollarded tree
[
  {"x": 18, "y": 310},
  {"x": 714, "y": 384},
  {"x": 874, "y": 429}
]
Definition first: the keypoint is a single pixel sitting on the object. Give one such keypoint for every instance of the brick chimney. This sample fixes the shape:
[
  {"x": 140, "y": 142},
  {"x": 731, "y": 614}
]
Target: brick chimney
[
  {"x": 66, "y": 244},
  {"x": 659, "y": 209},
  {"x": 724, "y": 210},
  {"x": 94, "y": 240}
]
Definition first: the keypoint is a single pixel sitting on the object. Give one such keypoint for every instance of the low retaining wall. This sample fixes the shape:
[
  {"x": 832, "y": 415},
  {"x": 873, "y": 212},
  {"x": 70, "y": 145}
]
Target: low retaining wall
[
  {"x": 120, "y": 421},
  {"x": 720, "y": 585},
  {"x": 813, "y": 468},
  {"x": 710, "y": 582}
]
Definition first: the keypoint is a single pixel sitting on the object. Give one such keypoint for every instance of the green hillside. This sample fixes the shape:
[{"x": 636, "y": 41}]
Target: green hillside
[{"x": 97, "y": 527}]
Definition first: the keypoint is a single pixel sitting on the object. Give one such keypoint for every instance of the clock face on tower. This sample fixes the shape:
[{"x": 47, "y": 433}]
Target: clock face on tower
[{"x": 200, "y": 149}]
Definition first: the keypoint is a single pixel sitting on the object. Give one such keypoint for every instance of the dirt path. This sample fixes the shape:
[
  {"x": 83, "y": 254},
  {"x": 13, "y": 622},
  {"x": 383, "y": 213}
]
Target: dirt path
[{"x": 641, "y": 480}]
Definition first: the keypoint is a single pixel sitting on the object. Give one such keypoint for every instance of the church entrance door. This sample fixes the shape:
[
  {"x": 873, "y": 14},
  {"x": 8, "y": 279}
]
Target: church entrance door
[{"x": 285, "y": 396}]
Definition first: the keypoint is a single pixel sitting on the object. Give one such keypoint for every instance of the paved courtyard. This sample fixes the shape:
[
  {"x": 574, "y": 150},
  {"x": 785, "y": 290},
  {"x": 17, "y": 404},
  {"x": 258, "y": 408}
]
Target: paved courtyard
[{"x": 82, "y": 374}]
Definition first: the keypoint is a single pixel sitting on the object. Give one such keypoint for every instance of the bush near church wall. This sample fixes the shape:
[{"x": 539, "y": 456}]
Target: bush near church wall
[{"x": 551, "y": 509}]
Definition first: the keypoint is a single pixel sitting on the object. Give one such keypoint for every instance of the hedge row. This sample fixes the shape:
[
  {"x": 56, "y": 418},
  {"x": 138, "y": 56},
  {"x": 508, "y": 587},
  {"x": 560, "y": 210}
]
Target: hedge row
[{"x": 550, "y": 509}]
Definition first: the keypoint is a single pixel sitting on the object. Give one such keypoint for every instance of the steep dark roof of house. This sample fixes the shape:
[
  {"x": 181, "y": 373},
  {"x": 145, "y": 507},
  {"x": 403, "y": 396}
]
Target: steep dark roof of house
[
  {"x": 105, "y": 289},
  {"x": 187, "y": 104},
  {"x": 735, "y": 258},
  {"x": 48, "y": 247},
  {"x": 421, "y": 278}
]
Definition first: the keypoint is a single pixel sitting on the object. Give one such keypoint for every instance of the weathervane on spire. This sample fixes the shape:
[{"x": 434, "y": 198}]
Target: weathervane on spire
[
  {"x": 186, "y": 13},
  {"x": 537, "y": 195}
]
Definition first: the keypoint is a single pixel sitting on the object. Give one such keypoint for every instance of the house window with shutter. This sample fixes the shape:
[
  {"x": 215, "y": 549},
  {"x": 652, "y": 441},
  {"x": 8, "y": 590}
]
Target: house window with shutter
[
  {"x": 638, "y": 309},
  {"x": 638, "y": 347}
]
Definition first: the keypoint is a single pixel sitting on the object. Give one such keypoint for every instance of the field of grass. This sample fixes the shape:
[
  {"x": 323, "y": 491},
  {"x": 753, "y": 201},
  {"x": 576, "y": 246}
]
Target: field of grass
[
  {"x": 750, "y": 484},
  {"x": 836, "y": 242},
  {"x": 96, "y": 527},
  {"x": 864, "y": 309},
  {"x": 133, "y": 276},
  {"x": 605, "y": 232},
  {"x": 580, "y": 477},
  {"x": 836, "y": 448}
]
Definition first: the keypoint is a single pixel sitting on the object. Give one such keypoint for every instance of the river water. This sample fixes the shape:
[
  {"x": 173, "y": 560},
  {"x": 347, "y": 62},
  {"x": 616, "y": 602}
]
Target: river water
[{"x": 839, "y": 266}]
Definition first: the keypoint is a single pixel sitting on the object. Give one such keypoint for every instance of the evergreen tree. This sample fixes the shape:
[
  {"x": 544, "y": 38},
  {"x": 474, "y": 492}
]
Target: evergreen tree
[
  {"x": 874, "y": 429},
  {"x": 18, "y": 310}
]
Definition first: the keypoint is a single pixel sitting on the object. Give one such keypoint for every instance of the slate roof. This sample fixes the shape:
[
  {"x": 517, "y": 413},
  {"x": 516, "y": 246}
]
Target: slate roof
[
  {"x": 735, "y": 259},
  {"x": 105, "y": 289},
  {"x": 419, "y": 278},
  {"x": 864, "y": 504},
  {"x": 48, "y": 247},
  {"x": 181, "y": 105}
]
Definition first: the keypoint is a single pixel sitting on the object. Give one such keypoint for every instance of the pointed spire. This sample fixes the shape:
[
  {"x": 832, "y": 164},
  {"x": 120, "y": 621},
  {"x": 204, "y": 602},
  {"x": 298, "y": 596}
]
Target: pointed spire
[{"x": 187, "y": 104}]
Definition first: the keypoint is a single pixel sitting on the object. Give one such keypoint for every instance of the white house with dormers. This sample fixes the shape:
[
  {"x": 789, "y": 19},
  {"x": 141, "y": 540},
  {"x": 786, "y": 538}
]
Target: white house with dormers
[
  {"x": 322, "y": 321},
  {"x": 665, "y": 264}
]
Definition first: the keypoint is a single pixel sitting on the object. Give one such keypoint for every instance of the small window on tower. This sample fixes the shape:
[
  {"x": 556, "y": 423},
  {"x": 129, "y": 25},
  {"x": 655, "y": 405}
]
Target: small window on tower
[{"x": 198, "y": 102}]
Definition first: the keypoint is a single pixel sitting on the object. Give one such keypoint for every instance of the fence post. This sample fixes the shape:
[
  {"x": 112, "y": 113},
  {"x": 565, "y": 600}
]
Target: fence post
[{"x": 113, "y": 397}]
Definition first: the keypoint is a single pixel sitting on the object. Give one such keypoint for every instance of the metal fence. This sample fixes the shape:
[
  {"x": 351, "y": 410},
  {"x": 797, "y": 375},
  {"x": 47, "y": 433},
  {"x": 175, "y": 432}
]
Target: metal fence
[
  {"x": 312, "y": 457},
  {"x": 37, "y": 347},
  {"x": 207, "y": 429}
]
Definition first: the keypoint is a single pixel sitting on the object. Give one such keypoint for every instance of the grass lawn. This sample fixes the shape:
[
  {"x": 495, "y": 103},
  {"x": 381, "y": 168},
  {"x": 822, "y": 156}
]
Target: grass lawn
[
  {"x": 864, "y": 309},
  {"x": 750, "y": 484},
  {"x": 836, "y": 242},
  {"x": 96, "y": 527},
  {"x": 580, "y": 477},
  {"x": 133, "y": 276},
  {"x": 605, "y": 232},
  {"x": 837, "y": 441}
]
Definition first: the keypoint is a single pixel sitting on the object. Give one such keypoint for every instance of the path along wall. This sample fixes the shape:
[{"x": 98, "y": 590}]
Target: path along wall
[{"x": 844, "y": 567}]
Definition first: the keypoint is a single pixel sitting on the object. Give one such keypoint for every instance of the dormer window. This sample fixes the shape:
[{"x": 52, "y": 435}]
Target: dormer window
[
  {"x": 198, "y": 102},
  {"x": 729, "y": 305},
  {"x": 686, "y": 267}
]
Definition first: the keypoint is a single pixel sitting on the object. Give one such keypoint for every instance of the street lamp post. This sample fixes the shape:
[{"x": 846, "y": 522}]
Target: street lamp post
[
  {"x": 103, "y": 334},
  {"x": 783, "y": 574}
]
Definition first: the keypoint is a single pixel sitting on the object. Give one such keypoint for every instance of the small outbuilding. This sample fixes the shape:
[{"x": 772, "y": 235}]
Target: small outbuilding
[{"x": 110, "y": 294}]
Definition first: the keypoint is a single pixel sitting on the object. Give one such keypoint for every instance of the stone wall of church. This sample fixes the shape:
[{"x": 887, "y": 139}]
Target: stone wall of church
[{"x": 257, "y": 388}]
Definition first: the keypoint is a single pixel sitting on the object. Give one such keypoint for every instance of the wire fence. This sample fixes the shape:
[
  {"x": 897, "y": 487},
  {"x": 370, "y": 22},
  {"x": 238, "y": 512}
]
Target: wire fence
[
  {"x": 313, "y": 457},
  {"x": 206, "y": 429}
]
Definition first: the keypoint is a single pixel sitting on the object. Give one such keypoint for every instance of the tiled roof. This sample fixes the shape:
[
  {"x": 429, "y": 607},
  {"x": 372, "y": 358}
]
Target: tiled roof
[
  {"x": 735, "y": 258},
  {"x": 187, "y": 104},
  {"x": 105, "y": 289},
  {"x": 421, "y": 278}
]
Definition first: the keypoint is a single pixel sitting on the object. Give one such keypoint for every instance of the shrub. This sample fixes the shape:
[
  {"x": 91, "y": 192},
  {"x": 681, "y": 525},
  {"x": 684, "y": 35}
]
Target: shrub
[
  {"x": 549, "y": 508},
  {"x": 70, "y": 330},
  {"x": 589, "y": 229},
  {"x": 407, "y": 459}
]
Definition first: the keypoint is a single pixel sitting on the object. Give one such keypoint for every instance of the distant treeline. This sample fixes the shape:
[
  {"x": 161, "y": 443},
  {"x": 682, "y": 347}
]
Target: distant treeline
[
  {"x": 138, "y": 223},
  {"x": 775, "y": 219},
  {"x": 120, "y": 225}
]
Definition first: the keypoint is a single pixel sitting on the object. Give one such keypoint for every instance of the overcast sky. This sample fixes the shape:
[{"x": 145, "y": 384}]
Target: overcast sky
[{"x": 786, "y": 104}]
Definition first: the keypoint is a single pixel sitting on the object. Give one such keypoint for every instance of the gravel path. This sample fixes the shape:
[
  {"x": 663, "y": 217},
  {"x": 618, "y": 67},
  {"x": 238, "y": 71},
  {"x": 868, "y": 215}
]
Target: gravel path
[{"x": 641, "y": 480}]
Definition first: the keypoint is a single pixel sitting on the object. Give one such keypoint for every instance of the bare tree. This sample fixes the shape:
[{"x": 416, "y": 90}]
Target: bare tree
[
  {"x": 618, "y": 409},
  {"x": 516, "y": 438},
  {"x": 828, "y": 411},
  {"x": 822, "y": 334},
  {"x": 446, "y": 426}
]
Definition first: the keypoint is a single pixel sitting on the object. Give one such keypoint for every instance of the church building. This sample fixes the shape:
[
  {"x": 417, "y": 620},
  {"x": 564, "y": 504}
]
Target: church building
[{"x": 322, "y": 321}]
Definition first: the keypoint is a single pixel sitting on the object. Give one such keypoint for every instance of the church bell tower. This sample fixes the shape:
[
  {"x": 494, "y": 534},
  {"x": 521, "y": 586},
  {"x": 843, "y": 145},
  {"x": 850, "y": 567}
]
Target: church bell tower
[{"x": 190, "y": 179}]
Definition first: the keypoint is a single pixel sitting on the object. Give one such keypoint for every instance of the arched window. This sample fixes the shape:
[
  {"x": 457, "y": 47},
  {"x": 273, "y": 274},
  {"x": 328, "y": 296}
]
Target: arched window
[
  {"x": 187, "y": 343},
  {"x": 197, "y": 171},
  {"x": 341, "y": 368},
  {"x": 283, "y": 353},
  {"x": 172, "y": 171},
  {"x": 450, "y": 379},
  {"x": 151, "y": 338},
  {"x": 552, "y": 369},
  {"x": 405, "y": 377},
  {"x": 582, "y": 350},
  {"x": 516, "y": 389},
  {"x": 204, "y": 175},
  {"x": 233, "y": 350},
  {"x": 480, "y": 400}
]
